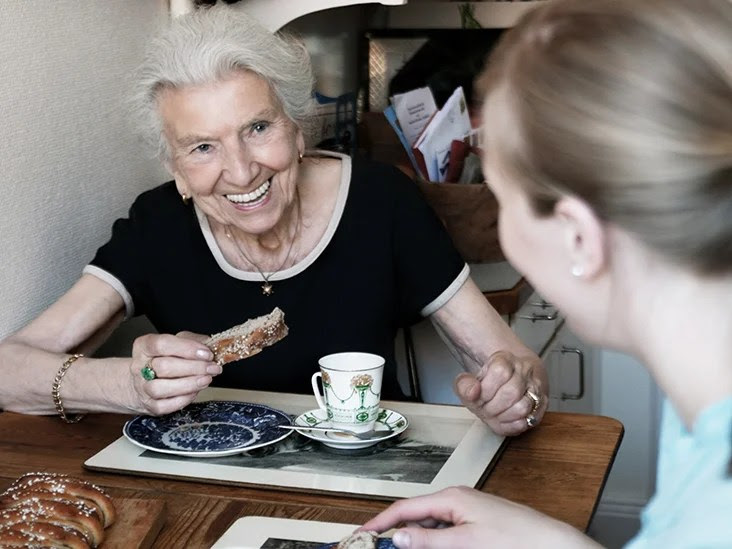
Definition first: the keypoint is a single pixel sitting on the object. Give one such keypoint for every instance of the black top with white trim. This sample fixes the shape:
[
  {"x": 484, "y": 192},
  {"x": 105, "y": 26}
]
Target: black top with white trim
[{"x": 384, "y": 262}]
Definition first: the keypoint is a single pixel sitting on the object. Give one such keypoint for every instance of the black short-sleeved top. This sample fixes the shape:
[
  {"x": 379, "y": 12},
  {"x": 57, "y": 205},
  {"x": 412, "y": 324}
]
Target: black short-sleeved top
[{"x": 384, "y": 262}]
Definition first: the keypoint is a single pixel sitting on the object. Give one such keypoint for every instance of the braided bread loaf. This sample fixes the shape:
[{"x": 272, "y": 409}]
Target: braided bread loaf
[{"x": 52, "y": 510}]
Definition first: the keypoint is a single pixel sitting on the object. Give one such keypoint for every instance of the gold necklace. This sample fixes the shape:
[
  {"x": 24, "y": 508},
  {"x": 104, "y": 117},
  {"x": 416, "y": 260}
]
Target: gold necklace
[{"x": 267, "y": 285}]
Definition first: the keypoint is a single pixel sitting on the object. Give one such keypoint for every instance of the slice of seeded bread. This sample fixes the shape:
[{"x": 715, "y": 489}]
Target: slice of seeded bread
[{"x": 248, "y": 339}]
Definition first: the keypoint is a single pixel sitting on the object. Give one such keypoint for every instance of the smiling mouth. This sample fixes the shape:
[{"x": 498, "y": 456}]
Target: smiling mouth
[{"x": 253, "y": 197}]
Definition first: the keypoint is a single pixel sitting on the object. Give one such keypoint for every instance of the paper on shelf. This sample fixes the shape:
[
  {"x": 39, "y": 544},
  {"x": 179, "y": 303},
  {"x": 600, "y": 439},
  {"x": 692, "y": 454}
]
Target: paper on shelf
[
  {"x": 392, "y": 119},
  {"x": 449, "y": 123},
  {"x": 413, "y": 110}
]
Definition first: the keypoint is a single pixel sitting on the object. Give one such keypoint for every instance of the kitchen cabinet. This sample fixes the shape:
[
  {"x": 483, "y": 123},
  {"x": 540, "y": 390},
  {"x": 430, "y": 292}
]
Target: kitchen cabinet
[
  {"x": 570, "y": 365},
  {"x": 535, "y": 323}
]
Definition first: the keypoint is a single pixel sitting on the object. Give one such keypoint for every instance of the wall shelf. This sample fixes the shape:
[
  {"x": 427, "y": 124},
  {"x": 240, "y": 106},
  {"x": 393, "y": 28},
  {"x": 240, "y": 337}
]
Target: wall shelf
[
  {"x": 431, "y": 14},
  {"x": 275, "y": 14}
]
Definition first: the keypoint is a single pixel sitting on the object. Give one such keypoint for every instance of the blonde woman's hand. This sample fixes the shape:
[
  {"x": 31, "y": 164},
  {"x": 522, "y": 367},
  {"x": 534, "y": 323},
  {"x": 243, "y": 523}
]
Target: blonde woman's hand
[
  {"x": 465, "y": 518},
  {"x": 180, "y": 367},
  {"x": 503, "y": 393}
]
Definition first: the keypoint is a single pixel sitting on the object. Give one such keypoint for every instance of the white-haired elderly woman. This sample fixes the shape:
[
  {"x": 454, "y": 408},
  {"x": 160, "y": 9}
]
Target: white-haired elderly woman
[{"x": 346, "y": 248}]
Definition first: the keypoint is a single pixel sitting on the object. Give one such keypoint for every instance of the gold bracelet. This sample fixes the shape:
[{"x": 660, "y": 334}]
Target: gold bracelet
[{"x": 57, "y": 395}]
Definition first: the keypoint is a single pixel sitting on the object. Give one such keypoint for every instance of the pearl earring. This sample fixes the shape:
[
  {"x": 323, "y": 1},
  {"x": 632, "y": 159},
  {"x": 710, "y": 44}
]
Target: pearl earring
[{"x": 578, "y": 270}]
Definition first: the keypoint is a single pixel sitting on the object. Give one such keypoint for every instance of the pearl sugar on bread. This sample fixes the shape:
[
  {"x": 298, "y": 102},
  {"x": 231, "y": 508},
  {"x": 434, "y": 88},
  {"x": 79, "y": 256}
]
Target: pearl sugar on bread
[{"x": 54, "y": 510}]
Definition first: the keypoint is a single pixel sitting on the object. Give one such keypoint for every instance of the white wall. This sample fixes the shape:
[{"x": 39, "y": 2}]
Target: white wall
[{"x": 69, "y": 164}]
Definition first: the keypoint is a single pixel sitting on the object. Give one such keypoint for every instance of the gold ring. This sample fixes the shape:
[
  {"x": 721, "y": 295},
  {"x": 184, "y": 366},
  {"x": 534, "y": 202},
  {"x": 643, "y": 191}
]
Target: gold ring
[{"x": 535, "y": 400}]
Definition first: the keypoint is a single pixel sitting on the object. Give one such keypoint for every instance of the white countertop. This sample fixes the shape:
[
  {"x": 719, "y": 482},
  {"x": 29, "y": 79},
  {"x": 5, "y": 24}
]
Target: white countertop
[{"x": 491, "y": 277}]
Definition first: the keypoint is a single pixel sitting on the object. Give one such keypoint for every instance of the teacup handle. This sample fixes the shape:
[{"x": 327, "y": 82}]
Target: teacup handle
[{"x": 316, "y": 390}]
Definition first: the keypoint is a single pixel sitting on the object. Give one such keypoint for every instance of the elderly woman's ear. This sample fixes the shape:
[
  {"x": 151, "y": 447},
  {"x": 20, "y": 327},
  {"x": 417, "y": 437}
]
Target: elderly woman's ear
[
  {"x": 300, "y": 140},
  {"x": 169, "y": 166},
  {"x": 182, "y": 188}
]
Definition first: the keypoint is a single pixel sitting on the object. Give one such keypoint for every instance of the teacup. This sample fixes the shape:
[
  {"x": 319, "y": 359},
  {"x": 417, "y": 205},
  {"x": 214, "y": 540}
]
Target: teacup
[{"x": 351, "y": 389}]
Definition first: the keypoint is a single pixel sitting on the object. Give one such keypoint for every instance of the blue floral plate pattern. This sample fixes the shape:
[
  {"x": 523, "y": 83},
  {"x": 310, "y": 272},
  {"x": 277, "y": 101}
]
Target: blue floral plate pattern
[{"x": 209, "y": 429}]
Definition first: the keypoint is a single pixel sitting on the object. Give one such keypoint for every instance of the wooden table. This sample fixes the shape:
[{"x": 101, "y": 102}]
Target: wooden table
[{"x": 558, "y": 468}]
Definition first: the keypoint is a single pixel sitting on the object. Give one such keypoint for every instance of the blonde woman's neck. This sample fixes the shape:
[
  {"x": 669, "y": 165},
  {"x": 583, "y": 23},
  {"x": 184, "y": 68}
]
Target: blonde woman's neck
[{"x": 680, "y": 326}]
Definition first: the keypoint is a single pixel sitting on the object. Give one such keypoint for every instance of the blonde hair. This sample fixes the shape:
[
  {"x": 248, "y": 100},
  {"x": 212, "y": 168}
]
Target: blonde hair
[
  {"x": 208, "y": 45},
  {"x": 626, "y": 104}
]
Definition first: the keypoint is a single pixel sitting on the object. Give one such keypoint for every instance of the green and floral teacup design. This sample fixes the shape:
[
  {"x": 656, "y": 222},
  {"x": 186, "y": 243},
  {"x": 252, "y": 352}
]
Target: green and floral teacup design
[{"x": 351, "y": 389}]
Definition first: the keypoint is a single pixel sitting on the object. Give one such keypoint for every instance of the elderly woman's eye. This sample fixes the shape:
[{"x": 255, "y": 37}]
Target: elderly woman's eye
[
  {"x": 203, "y": 148},
  {"x": 259, "y": 127}
]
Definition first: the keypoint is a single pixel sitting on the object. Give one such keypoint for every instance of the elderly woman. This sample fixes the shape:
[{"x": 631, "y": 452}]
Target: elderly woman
[
  {"x": 346, "y": 248},
  {"x": 610, "y": 153}
]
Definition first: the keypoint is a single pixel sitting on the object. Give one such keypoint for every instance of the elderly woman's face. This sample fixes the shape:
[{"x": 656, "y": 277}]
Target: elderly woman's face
[{"x": 233, "y": 150}]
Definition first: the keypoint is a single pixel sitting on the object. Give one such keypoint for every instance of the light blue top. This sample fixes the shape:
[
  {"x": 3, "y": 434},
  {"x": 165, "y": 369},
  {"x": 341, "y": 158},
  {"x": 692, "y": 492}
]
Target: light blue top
[{"x": 692, "y": 506}]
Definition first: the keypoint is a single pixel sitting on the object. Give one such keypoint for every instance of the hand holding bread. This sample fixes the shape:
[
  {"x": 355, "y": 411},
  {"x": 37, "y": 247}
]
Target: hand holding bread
[{"x": 184, "y": 364}]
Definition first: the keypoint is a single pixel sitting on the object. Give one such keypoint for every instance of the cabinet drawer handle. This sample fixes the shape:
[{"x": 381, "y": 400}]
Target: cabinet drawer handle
[
  {"x": 534, "y": 317},
  {"x": 581, "y": 360},
  {"x": 543, "y": 304}
]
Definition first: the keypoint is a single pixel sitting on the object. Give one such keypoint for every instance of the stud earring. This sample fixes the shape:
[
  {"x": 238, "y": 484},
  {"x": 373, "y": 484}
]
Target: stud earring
[
  {"x": 299, "y": 158},
  {"x": 578, "y": 270},
  {"x": 185, "y": 198}
]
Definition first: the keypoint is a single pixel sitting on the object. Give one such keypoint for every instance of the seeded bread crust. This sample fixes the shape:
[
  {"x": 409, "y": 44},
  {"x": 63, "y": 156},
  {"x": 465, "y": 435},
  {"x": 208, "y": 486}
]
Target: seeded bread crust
[
  {"x": 249, "y": 338},
  {"x": 359, "y": 540}
]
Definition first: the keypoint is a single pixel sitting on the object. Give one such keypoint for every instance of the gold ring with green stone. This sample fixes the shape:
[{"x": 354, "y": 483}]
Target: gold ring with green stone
[{"x": 148, "y": 374}]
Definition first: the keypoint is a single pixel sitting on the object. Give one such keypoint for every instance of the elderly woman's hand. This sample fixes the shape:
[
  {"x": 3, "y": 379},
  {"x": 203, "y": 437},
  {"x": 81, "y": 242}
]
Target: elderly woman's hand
[
  {"x": 168, "y": 371},
  {"x": 509, "y": 393}
]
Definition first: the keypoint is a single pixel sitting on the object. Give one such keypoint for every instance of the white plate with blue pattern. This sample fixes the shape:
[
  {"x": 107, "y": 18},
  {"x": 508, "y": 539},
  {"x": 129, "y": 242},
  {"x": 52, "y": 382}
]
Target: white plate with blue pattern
[{"x": 214, "y": 428}]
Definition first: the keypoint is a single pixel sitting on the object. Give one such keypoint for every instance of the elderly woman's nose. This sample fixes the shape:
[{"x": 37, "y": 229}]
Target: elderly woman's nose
[{"x": 239, "y": 167}]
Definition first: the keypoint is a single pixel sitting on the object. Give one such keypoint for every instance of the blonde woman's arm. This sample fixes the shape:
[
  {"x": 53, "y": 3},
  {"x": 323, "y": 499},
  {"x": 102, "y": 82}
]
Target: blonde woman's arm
[{"x": 466, "y": 518}]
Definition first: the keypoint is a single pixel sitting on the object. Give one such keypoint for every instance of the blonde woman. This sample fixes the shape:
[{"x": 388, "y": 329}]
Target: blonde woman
[{"x": 609, "y": 148}]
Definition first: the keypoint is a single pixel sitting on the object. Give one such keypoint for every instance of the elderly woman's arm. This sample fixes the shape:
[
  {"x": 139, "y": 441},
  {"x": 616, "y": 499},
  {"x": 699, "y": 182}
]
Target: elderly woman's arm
[
  {"x": 78, "y": 323},
  {"x": 501, "y": 368}
]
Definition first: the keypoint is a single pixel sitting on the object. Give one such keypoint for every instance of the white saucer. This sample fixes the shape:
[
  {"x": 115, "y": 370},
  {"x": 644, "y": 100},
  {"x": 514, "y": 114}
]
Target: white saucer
[{"x": 391, "y": 422}]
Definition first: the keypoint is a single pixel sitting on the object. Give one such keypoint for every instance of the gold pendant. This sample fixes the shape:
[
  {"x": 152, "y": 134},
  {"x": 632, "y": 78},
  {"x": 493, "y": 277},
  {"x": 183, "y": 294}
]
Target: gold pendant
[{"x": 267, "y": 288}]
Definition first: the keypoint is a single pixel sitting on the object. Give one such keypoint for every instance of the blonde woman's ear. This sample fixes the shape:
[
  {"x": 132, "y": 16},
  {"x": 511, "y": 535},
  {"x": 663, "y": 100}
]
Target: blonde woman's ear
[
  {"x": 578, "y": 270},
  {"x": 585, "y": 237}
]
